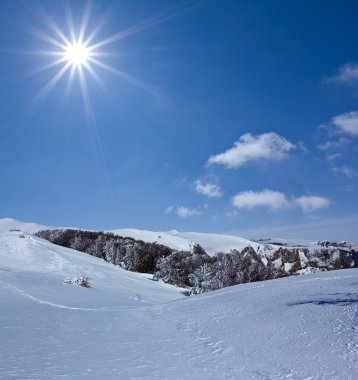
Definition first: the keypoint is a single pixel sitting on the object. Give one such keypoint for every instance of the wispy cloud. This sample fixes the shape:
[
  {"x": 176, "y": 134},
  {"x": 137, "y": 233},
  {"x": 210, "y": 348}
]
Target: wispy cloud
[
  {"x": 341, "y": 131},
  {"x": 312, "y": 203},
  {"x": 267, "y": 146},
  {"x": 336, "y": 144},
  {"x": 333, "y": 156},
  {"x": 275, "y": 201},
  {"x": 209, "y": 189},
  {"x": 347, "y": 74},
  {"x": 183, "y": 212},
  {"x": 345, "y": 170}
]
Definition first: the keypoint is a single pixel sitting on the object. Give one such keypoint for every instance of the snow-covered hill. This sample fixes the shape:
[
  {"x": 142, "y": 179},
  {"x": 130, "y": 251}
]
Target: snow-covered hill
[
  {"x": 36, "y": 269},
  {"x": 127, "y": 326},
  {"x": 288, "y": 256},
  {"x": 212, "y": 243},
  {"x": 7, "y": 224},
  {"x": 184, "y": 241}
]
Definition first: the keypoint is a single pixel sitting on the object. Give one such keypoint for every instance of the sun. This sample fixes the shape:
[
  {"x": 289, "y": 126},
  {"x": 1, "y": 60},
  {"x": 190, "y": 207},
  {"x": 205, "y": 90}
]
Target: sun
[
  {"x": 77, "y": 54},
  {"x": 78, "y": 51}
]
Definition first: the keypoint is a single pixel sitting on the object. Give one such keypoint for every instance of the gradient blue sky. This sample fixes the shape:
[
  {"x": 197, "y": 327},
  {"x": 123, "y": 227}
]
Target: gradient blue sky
[{"x": 235, "y": 116}]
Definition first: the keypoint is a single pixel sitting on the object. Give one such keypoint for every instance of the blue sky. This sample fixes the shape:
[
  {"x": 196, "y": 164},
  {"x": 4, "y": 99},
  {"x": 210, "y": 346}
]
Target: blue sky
[{"x": 230, "y": 116}]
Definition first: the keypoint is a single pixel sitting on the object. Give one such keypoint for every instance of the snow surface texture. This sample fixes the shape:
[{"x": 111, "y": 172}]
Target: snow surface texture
[{"x": 128, "y": 327}]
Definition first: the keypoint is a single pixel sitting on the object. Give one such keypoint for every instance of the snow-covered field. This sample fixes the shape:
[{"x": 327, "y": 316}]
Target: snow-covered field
[{"x": 127, "y": 326}]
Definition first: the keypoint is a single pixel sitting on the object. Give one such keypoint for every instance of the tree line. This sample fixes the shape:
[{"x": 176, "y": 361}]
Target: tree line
[{"x": 194, "y": 269}]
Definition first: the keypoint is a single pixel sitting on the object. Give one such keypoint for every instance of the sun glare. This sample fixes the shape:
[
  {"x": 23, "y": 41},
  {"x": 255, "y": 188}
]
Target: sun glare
[
  {"x": 78, "y": 51},
  {"x": 76, "y": 54}
]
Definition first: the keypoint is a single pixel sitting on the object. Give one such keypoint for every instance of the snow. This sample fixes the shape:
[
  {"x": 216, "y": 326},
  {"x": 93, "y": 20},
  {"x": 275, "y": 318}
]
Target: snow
[
  {"x": 7, "y": 224},
  {"x": 168, "y": 239},
  {"x": 35, "y": 265},
  {"x": 212, "y": 243},
  {"x": 127, "y": 326},
  {"x": 292, "y": 243},
  {"x": 181, "y": 241}
]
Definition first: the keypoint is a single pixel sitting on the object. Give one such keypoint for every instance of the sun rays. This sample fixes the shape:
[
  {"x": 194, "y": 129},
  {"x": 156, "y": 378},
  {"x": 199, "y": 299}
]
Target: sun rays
[
  {"x": 77, "y": 51},
  {"x": 73, "y": 48},
  {"x": 69, "y": 53}
]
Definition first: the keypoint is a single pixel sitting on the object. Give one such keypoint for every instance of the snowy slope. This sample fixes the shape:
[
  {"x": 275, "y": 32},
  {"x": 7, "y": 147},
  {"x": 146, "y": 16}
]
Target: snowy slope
[
  {"x": 7, "y": 224},
  {"x": 36, "y": 269},
  {"x": 212, "y": 243},
  {"x": 296, "y": 328},
  {"x": 164, "y": 238}
]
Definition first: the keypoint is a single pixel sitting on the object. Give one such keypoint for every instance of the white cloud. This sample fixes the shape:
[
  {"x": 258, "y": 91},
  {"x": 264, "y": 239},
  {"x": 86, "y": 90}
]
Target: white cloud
[
  {"x": 185, "y": 212},
  {"x": 312, "y": 203},
  {"x": 347, "y": 123},
  {"x": 182, "y": 212},
  {"x": 345, "y": 170},
  {"x": 267, "y": 146},
  {"x": 347, "y": 74},
  {"x": 208, "y": 189},
  {"x": 273, "y": 200}
]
